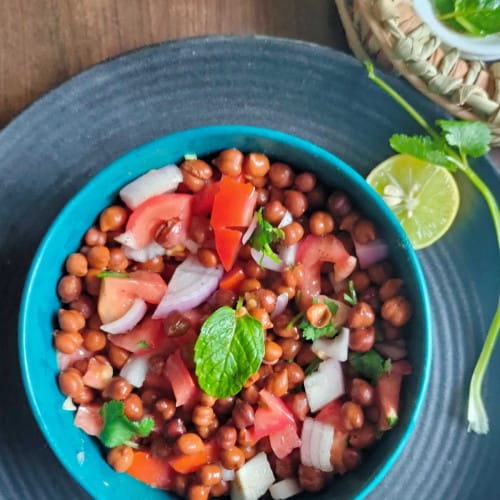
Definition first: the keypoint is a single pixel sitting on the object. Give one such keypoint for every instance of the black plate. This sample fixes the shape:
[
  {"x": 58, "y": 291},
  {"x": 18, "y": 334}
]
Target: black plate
[{"x": 58, "y": 143}]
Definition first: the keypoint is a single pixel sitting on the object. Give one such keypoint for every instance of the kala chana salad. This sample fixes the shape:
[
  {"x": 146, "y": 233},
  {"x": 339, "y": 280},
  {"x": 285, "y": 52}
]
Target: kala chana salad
[{"x": 229, "y": 327}]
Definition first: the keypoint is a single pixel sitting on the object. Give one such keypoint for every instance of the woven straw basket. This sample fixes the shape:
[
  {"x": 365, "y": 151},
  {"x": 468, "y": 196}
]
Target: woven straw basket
[{"x": 390, "y": 33}]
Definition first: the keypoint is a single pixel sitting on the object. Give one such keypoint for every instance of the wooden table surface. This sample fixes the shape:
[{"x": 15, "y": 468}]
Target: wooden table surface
[{"x": 44, "y": 42}]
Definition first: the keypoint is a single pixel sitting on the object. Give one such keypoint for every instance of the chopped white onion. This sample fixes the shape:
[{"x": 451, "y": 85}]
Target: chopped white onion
[
  {"x": 134, "y": 371},
  {"x": 265, "y": 261},
  {"x": 317, "y": 441},
  {"x": 287, "y": 254},
  {"x": 130, "y": 319},
  {"x": 66, "y": 360},
  {"x": 336, "y": 348},
  {"x": 251, "y": 228},
  {"x": 162, "y": 180},
  {"x": 285, "y": 489},
  {"x": 190, "y": 285},
  {"x": 227, "y": 474},
  {"x": 325, "y": 384},
  {"x": 286, "y": 220},
  {"x": 191, "y": 245},
  {"x": 253, "y": 479},
  {"x": 68, "y": 404},
  {"x": 371, "y": 253},
  {"x": 305, "y": 438},
  {"x": 154, "y": 249},
  {"x": 281, "y": 303}
]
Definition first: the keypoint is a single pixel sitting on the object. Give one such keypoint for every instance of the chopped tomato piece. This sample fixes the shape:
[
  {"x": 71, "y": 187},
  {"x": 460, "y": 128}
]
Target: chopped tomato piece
[
  {"x": 183, "y": 385},
  {"x": 99, "y": 373},
  {"x": 284, "y": 441},
  {"x": 88, "y": 418},
  {"x": 273, "y": 415},
  {"x": 234, "y": 204},
  {"x": 185, "y": 464},
  {"x": 117, "y": 294},
  {"x": 203, "y": 200},
  {"x": 144, "y": 338},
  {"x": 155, "y": 471},
  {"x": 232, "y": 279},
  {"x": 312, "y": 252},
  {"x": 331, "y": 414},
  {"x": 145, "y": 220},
  {"x": 227, "y": 244},
  {"x": 387, "y": 393}
]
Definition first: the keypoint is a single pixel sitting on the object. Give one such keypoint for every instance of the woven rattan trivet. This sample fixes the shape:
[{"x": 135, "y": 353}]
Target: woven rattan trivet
[{"x": 391, "y": 33}]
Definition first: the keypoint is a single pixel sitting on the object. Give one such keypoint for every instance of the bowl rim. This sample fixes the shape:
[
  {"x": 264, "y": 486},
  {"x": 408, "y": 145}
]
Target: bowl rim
[{"x": 279, "y": 137}]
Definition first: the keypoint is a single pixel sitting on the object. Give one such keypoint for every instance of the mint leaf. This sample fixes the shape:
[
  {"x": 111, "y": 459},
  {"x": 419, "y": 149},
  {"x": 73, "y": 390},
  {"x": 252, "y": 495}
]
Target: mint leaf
[
  {"x": 478, "y": 17},
  {"x": 264, "y": 235},
  {"x": 422, "y": 147},
  {"x": 371, "y": 364},
  {"x": 118, "y": 429},
  {"x": 471, "y": 138},
  {"x": 229, "y": 349}
]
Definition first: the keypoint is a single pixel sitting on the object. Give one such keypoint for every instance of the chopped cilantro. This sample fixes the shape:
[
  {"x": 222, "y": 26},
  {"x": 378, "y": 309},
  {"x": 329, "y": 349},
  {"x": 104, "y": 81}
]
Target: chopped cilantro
[
  {"x": 264, "y": 235},
  {"x": 118, "y": 429},
  {"x": 310, "y": 332},
  {"x": 112, "y": 274},
  {"x": 143, "y": 344},
  {"x": 312, "y": 366},
  {"x": 351, "y": 297},
  {"x": 392, "y": 421},
  {"x": 371, "y": 364}
]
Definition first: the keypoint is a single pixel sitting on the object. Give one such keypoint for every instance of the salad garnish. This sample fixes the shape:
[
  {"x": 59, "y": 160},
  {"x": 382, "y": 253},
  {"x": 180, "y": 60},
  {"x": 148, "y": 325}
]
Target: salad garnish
[
  {"x": 264, "y": 235},
  {"x": 450, "y": 147},
  {"x": 229, "y": 349},
  {"x": 312, "y": 332},
  {"x": 119, "y": 429},
  {"x": 112, "y": 274},
  {"x": 351, "y": 298},
  {"x": 371, "y": 364}
]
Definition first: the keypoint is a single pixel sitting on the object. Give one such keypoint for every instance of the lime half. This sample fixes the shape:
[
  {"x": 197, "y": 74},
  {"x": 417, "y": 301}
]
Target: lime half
[{"x": 423, "y": 196}]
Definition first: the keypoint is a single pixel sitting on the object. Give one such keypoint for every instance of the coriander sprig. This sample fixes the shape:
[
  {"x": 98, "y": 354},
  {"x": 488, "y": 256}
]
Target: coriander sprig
[{"x": 450, "y": 146}]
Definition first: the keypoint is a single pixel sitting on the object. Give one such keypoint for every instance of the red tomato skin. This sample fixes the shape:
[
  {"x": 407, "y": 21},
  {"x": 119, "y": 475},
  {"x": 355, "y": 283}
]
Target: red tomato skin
[
  {"x": 145, "y": 220},
  {"x": 331, "y": 414},
  {"x": 149, "y": 330},
  {"x": 387, "y": 393},
  {"x": 155, "y": 471},
  {"x": 227, "y": 244},
  {"x": 272, "y": 416},
  {"x": 203, "y": 200},
  {"x": 312, "y": 252},
  {"x": 180, "y": 378},
  {"x": 234, "y": 204},
  {"x": 284, "y": 441},
  {"x": 232, "y": 279}
]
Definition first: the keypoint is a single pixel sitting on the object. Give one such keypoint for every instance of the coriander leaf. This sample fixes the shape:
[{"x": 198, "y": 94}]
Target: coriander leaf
[
  {"x": 312, "y": 366},
  {"x": 392, "y": 421},
  {"x": 112, "y": 274},
  {"x": 371, "y": 364},
  {"x": 264, "y": 235},
  {"x": 332, "y": 306},
  {"x": 229, "y": 349},
  {"x": 422, "y": 147},
  {"x": 310, "y": 332},
  {"x": 117, "y": 428},
  {"x": 471, "y": 138},
  {"x": 143, "y": 344},
  {"x": 351, "y": 297}
]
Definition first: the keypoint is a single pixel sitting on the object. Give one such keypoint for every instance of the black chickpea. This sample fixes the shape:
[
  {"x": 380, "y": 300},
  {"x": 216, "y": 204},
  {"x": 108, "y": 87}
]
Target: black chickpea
[
  {"x": 69, "y": 288},
  {"x": 305, "y": 182},
  {"x": 293, "y": 232},
  {"x": 339, "y": 204},
  {"x": 121, "y": 458},
  {"x": 321, "y": 223},
  {"x": 77, "y": 264},
  {"x": 274, "y": 212},
  {"x": 229, "y": 162},
  {"x": 295, "y": 202},
  {"x": 256, "y": 165},
  {"x": 112, "y": 218},
  {"x": 397, "y": 311},
  {"x": 281, "y": 175}
]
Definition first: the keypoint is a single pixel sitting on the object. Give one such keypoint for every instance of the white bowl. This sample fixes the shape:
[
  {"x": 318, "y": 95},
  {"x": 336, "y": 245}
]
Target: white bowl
[{"x": 471, "y": 47}]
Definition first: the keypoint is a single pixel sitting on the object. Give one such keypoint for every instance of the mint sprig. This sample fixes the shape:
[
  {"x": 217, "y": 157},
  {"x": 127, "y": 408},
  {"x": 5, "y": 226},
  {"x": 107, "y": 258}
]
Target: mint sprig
[
  {"x": 450, "y": 146},
  {"x": 229, "y": 349}
]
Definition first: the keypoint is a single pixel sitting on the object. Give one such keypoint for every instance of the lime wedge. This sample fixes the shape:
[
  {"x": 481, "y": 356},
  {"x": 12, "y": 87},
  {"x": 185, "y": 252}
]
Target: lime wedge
[{"x": 423, "y": 196}]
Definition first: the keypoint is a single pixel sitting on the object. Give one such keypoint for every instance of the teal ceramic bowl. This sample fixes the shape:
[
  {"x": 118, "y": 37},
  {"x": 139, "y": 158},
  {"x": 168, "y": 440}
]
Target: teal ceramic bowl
[{"x": 83, "y": 456}]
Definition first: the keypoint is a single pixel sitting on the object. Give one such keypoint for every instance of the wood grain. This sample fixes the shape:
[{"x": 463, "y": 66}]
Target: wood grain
[{"x": 44, "y": 42}]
